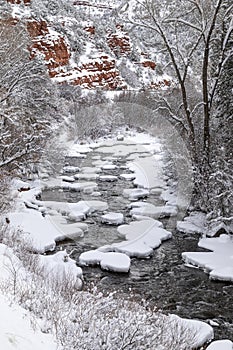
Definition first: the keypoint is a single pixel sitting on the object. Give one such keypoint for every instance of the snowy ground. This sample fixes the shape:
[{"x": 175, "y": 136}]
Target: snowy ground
[{"x": 16, "y": 331}]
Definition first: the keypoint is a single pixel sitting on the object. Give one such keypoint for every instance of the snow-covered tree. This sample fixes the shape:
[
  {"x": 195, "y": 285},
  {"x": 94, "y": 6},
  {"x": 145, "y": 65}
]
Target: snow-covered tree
[
  {"x": 28, "y": 103},
  {"x": 193, "y": 37}
]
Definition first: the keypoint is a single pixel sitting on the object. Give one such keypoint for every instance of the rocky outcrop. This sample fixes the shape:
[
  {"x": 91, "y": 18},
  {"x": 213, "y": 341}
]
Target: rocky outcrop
[
  {"x": 119, "y": 42},
  {"x": 95, "y": 68},
  {"x": 163, "y": 83},
  {"x": 149, "y": 64},
  {"x": 17, "y": 2},
  {"x": 90, "y": 30},
  {"x": 52, "y": 47},
  {"x": 97, "y": 72},
  {"x": 37, "y": 28}
]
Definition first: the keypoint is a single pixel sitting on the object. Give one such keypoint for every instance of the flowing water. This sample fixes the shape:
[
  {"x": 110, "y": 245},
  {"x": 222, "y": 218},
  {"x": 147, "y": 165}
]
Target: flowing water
[{"x": 163, "y": 280}]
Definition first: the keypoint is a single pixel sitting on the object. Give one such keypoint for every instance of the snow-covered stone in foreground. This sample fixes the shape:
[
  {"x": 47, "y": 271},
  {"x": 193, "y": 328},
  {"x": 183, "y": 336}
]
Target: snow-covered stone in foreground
[
  {"x": 194, "y": 223},
  {"x": 141, "y": 238},
  {"x": 135, "y": 193},
  {"x": 218, "y": 262},
  {"x": 112, "y": 218},
  {"x": 148, "y": 209},
  {"x": 61, "y": 267},
  {"x": 108, "y": 178},
  {"x": 221, "y": 345},
  {"x": 111, "y": 261},
  {"x": 16, "y": 330}
]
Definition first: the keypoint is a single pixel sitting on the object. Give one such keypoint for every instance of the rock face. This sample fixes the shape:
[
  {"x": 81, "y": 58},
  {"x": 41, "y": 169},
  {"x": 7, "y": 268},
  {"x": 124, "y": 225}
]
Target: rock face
[
  {"x": 17, "y": 2},
  {"x": 51, "y": 46},
  {"x": 104, "y": 62},
  {"x": 119, "y": 42},
  {"x": 149, "y": 64}
]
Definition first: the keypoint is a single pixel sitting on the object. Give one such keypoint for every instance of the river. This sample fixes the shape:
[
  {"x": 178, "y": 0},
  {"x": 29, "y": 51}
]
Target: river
[{"x": 163, "y": 280}]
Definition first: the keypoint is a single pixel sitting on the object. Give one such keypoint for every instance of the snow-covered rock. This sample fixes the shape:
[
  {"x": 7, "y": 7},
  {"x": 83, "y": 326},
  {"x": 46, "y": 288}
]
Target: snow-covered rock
[
  {"x": 20, "y": 185},
  {"x": 218, "y": 262},
  {"x": 135, "y": 193},
  {"x": 109, "y": 167},
  {"x": 42, "y": 232},
  {"x": 71, "y": 169},
  {"x": 86, "y": 176},
  {"x": 77, "y": 186},
  {"x": 108, "y": 178},
  {"x": 68, "y": 178},
  {"x": 61, "y": 267},
  {"x": 194, "y": 223},
  {"x": 148, "y": 172},
  {"x": 221, "y": 345},
  {"x": 112, "y": 218},
  {"x": 141, "y": 238},
  {"x": 111, "y": 261},
  {"x": 128, "y": 177},
  {"x": 148, "y": 209}
]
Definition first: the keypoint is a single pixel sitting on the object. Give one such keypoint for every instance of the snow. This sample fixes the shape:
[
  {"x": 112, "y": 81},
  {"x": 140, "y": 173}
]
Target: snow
[
  {"x": 218, "y": 262},
  {"x": 60, "y": 267},
  {"x": 148, "y": 172},
  {"x": 194, "y": 223},
  {"x": 19, "y": 184},
  {"x": 59, "y": 184},
  {"x": 16, "y": 332},
  {"x": 221, "y": 345},
  {"x": 109, "y": 167},
  {"x": 149, "y": 209},
  {"x": 204, "y": 331},
  {"x": 112, "y": 218},
  {"x": 77, "y": 149},
  {"x": 135, "y": 193},
  {"x": 68, "y": 178},
  {"x": 128, "y": 177},
  {"x": 9, "y": 264},
  {"x": 71, "y": 169},
  {"x": 90, "y": 170},
  {"x": 77, "y": 211},
  {"x": 42, "y": 232},
  {"x": 111, "y": 261},
  {"x": 141, "y": 238},
  {"x": 116, "y": 262},
  {"x": 86, "y": 176}
]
